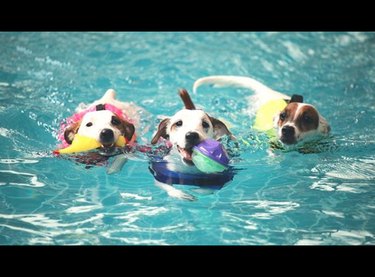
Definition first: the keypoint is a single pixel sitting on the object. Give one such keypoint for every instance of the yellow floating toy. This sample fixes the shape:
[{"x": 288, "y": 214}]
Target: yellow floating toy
[
  {"x": 83, "y": 144},
  {"x": 79, "y": 144},
  {"x": 264, "y": 117}
]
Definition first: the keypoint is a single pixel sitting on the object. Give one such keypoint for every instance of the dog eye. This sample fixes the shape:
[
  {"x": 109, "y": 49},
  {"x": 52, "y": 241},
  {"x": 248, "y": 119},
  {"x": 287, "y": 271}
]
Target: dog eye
[
  {"x": 89, "y": 124},
  {"x": 205, "y": 125},
  {"x": 179, "y": 123},
  {"x": 282, "y": 116},
  {"x": 307, "y": 119},
  {"x": 115, "y": 121}
]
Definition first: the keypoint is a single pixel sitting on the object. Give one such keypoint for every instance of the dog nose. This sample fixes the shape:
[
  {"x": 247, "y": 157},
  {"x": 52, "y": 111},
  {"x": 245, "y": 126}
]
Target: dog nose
[
  {"x": 287, "y": 131},
  {"x": 107, "y": 136},
  {"x": 192, "y": 138}
]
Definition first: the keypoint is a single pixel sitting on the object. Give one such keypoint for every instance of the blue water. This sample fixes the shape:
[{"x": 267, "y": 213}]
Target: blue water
[{"x": 286, "y": 198}]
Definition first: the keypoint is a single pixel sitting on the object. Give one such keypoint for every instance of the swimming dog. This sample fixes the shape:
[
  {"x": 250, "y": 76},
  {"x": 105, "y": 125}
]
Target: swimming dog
[
  {"x": 287, "y": 118},
  {"x": 106, "y": 121},
  {"x": 184, "y": 130}
]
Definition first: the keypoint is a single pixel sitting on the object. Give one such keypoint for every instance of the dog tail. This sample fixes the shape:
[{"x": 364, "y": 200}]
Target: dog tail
[
  {"x": 239, "y": 81},
  {"x": 109, "y": 96}
]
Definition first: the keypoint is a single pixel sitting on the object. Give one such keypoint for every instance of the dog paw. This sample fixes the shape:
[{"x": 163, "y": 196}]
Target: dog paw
[
  {"x": 182, "y": 195},
  {"x": 175, "y": 193},
  {"x": 117, "y": 164}
]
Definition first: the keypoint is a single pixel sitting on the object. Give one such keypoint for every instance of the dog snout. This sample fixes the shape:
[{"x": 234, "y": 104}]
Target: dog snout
[
  {"x": 287, "y": 131},
  {"x": 107, "y": 136},
  {"x": 288, "y": 135},
  {"x": 192, "y": 138}
]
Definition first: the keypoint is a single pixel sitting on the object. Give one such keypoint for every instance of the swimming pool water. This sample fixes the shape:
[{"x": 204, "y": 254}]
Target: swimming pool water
[{"x": 286, "y": 198}]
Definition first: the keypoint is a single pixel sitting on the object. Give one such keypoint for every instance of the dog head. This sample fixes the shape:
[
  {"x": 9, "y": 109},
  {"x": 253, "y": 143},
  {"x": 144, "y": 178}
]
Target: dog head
[
  {"x": 188, "y": 127},
  {"x": 102, "y": 125},
  {"x": 299, "y": 122}
]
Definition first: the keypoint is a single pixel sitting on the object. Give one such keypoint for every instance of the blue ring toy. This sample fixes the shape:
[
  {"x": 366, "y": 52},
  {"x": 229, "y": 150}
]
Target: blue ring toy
[{"x": 162, "y": 174}]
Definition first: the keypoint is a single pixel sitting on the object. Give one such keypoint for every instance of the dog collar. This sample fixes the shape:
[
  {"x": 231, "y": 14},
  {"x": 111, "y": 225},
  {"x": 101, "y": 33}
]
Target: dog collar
[
  {"x": 161, "y": 173},
  {"x": 78, "y": 116}
]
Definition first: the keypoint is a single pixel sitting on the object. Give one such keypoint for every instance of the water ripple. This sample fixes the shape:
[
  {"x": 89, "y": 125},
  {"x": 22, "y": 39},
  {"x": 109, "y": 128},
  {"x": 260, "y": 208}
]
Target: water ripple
[
  {"x": 82, "y": 209},
  {"x": 134, "y": 196},
  {"x": 340, "y": 237},
  {"x": 131, "y": 217},
  {"x": 23, "y": 179},
  {"x": 44, "y": 230},
  {"x": 270, "y": 208},
  {"x": 348, "y": 175},
  {"x": 18, "y": 161}
]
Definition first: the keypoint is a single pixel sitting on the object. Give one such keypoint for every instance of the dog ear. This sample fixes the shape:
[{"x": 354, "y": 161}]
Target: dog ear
[
  {"x": 71, "y": 131},
  {"x": 296, "y": 98},
  {"x": 129, "y": 130},
  {"x": 126, "y": 128},
  {"x": 220, "y": 129},
  {"x": 323, "y": 125},
  {"x": 161, "y": 132}
]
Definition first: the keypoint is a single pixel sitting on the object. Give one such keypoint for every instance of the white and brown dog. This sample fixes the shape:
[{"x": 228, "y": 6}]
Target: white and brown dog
[
  {"x": 292, "y": 121},
  {"x": 104, "y": 120},
  {"x": 184, "y": 130}
]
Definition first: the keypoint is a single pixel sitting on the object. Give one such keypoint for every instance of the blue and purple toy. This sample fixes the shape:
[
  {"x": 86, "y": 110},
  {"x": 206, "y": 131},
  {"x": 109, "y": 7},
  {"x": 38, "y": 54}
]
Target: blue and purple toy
[{"x": 210, "y": 156}]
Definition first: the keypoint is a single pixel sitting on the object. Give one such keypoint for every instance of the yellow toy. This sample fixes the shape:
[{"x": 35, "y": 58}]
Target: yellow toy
[
  {"x": 83, "y": 144},
  {"x": 264, "y": 117}
]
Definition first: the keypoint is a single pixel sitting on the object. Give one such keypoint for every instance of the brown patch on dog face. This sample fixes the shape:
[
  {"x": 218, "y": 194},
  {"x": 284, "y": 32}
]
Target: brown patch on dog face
[
  {"x": 308, "y": 119},
  {"x": 161, "y": 132},
  {"x": 71, "y": 131},
  {"x": 287, "y": 114},
  {"x": 126, "y": 128}
]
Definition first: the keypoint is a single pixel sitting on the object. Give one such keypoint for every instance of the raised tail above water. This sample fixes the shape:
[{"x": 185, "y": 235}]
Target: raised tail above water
[{"x": 239, "y": 81}]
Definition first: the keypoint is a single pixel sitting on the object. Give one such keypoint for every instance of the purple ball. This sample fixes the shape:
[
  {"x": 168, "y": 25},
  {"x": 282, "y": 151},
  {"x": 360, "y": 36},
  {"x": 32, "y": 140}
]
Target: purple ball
[{"x": 214, "y": 150}]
